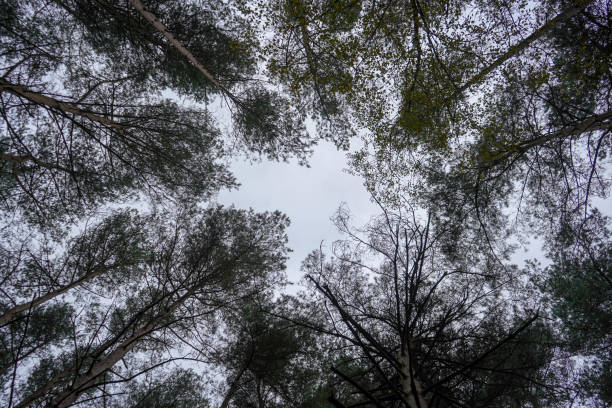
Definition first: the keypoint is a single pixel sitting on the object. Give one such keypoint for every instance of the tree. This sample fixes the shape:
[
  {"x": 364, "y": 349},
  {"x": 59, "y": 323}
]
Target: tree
[
  {"x": 273, "y": 360},
  {"x": 199, "y": 265},
  {"x": 98, "y": 130},
  {"x": 428, "y": 330},
  {"x": 261, "y": 119},
  {"x": 535, "y": 135},
  {"x": 577, "y": 285},
  {"x": 106, "y": 254}
]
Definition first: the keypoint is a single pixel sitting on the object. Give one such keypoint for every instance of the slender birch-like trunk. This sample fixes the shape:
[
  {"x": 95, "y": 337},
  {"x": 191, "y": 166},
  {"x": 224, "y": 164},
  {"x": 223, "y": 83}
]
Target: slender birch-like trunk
[
  {"x": 69, "y": 396},
  {"x": 151, "y": 18},
  {"x": 411, "y": 385}
]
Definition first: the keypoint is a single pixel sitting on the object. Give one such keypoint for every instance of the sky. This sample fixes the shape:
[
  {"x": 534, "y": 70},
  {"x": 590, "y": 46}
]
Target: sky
[{"x": 309, "y": 196}]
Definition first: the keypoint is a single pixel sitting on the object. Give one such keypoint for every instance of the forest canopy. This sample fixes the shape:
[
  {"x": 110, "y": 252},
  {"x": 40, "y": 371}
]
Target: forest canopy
[{"x": 479, "y": 125}]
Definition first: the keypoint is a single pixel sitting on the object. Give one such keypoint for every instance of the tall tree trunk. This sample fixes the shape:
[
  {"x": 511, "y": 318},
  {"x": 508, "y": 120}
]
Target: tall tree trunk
[
  {"x": 13, "y": 312},
  {"x": 150, "y": 17},
  {"x": 67, "y": 397},
  {"x": 590, "y": 124},
  {"x": 517, "y": 48},
  {"x": 233, "y": 388},
  {"x": 82, "y": 382},
  {"x": 411, "y": 385},
  {"x": 66, "y": 107}
]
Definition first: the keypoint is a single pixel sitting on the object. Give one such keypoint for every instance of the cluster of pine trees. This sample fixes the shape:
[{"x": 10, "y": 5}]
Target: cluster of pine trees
[{"x": 483, "y": 124}]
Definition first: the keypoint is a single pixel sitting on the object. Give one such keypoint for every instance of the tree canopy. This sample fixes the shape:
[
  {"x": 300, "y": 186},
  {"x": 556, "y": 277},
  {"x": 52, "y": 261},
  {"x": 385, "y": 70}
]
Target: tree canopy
[{"x": 480, "y": 125}]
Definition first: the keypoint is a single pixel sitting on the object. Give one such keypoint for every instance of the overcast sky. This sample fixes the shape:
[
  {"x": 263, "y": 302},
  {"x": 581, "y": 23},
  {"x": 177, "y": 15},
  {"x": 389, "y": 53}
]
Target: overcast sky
[{"x": 309, "y": 196}]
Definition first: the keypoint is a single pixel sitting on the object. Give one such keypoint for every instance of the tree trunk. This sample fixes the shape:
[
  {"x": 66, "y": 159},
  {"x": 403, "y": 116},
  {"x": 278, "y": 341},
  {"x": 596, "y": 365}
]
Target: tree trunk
[
  {"x": 597, "y": 122},
  {"x": 81, "y": 383},
  {"x": 150, "y": 17},
  {"x": 411, "y": 385},
  {"x": 66, "y": 107},
  {"x": 67, "y": 397},
  {"x": 517, "y": 48},
  {"x": 11, "y": 313},
  {"x": 590, "y": 124},
  {"x": 233, "y": 388}
]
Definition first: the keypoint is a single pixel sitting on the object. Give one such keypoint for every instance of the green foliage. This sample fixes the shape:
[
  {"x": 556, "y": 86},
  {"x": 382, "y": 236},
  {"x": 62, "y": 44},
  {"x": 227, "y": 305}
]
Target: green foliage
[
  {"x": 582, "y": 297},
  {"x": 31, "y": 335},
  {"x": 515, "y": 134},
  {"x": 272, "y": 360},
  {"x": 269, "y": 128},
  {"x": 117, "y": 31},
  {"x": 341, "y": 15},
  {"x": 578, "y": 288},
  {"x": 581, "y": 64},
  {"x": 179, "y": 388}
]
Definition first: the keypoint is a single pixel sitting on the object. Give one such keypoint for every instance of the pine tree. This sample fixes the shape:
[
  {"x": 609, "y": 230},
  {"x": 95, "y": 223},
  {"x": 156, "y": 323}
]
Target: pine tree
[{"x": 196, "y": 266}]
